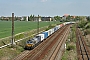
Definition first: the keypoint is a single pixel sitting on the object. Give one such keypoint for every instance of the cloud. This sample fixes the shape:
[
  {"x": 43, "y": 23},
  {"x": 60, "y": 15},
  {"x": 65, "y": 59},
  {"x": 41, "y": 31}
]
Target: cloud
[{"x": 43, "y": 0}]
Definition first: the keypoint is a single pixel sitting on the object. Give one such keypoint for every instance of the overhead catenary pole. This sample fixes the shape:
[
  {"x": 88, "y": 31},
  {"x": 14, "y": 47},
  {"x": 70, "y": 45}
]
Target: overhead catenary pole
[
  {"x": 38, "y": 25},
  {"x": 12, "y": 41},
  {"x": 49, "y": 21}
]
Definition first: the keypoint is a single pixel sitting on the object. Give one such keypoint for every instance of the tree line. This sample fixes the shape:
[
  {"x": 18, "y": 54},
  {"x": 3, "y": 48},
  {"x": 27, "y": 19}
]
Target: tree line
[{"x": 33, "y": 18}]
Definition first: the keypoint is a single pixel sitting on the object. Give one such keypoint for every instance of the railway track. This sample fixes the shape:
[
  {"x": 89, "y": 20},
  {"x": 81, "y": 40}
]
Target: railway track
[
  {"x": 47, "y": 47},
  {"x": 58, "y": 51},
  {"x": 82, "y": 50},
  {"x": 22, "y": 55}
]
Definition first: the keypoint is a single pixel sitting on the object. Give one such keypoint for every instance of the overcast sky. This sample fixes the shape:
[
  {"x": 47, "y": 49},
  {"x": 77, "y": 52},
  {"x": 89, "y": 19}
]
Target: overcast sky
[{"x": 44, "y": 7}]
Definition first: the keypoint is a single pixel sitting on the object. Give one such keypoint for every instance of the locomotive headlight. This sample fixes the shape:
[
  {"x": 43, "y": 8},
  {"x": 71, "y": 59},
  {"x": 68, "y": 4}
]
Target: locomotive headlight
[{"x": 29, "y": 45}]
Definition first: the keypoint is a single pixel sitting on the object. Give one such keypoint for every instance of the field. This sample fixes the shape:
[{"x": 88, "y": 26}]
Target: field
[{"x": 20, "y": 26}]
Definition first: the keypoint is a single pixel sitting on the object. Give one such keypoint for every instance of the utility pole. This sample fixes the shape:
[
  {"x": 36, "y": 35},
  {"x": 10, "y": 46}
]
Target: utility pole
[
  {"x": 38, "y": 24},
  {"x": 50, "y": 21},
  {"x": 12, "y": 41}
]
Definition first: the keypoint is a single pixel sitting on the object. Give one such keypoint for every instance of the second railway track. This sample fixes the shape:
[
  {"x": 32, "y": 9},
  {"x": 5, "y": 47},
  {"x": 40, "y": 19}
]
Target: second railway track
[{"x": 82, "y": 50}]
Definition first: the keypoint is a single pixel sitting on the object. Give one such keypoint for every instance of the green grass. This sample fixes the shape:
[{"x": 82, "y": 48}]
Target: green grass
[
  {"x": 65, "y": 55},
  {"x": 9, "y": 53},
  {"x": 20, "y": 26}
]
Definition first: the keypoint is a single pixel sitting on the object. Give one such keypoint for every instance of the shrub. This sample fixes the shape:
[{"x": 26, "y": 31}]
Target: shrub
[
  {"x": 70, "y": 48},
  {"x": 87, "y": 31},
  {"x": 19, "y": 36},
  {"x": 82, "y": 24}
]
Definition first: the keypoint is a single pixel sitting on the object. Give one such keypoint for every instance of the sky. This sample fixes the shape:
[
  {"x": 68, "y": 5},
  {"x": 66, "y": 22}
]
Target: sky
[{"x": 44, "y": 7}]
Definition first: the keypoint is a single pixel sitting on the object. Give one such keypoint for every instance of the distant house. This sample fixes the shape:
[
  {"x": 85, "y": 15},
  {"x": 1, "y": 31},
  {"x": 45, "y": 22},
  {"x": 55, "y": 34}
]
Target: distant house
[{"x": 37, "y": 19}]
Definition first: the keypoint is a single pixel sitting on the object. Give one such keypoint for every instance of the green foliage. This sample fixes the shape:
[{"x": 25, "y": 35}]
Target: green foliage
[
  {"x": 87, "y": 31},
  {"x": 1, "y": 43},
  {"x": 20, "y": 49},
  {"x": 70, "y": 48},
  {"x": 10, "y": 53},
  {"x": 87, "y": 26},
  {"x": 31, "y": 18},
  {"x": 49, "y": 27},
  {"x": 77, "y": 18},
  {"x": 73, "y": 34},
  {"x": 19, "y": 36},
  {"x": 82, "y": 24},
  {"x": 24, "y": 18},
  {"x": 88, "y": 18},
  {"x": 57, "y": 18},
  {"x": 23, "y": 42},
  {"x": 64, "y": 57},
  {"x": 68, "y": 18}
]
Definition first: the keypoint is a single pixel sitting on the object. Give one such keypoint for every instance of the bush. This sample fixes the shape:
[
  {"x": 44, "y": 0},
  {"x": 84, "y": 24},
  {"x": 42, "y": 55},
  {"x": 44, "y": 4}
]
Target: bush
[
  {"x": 19, "y": 48},
  {"x": 49, "y": 27},
  {"x": 19, "y": 36},
  {"x": 87, "y": 26},
  {"x": 70, "y": 48},
  {"x": 87, "y": 31},
  {"x": 82, "y": 24}
]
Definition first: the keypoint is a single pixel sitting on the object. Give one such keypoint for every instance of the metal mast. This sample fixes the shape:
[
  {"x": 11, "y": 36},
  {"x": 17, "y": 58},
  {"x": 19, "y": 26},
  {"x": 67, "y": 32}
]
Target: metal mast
[
  {"x": 12, "y": 41},
  {"x": 38, "y": 25}
]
